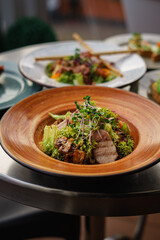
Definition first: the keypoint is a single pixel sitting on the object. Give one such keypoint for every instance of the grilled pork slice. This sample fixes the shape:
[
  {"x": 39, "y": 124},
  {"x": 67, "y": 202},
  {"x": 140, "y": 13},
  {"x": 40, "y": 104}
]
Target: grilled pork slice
[{"x": 105, "y": 150}]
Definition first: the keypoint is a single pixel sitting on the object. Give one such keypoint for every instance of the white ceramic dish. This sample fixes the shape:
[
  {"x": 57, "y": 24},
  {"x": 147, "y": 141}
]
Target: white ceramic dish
[
  {"x": 147, "y": 81},
  {"x": 131, "y": 66},
  {"x": 122, "y": 40}
]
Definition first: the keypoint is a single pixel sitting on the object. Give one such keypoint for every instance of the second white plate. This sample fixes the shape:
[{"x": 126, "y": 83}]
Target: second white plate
[
  {"x": 122, "y": 40},
  {"x": 131, "y": 66}
]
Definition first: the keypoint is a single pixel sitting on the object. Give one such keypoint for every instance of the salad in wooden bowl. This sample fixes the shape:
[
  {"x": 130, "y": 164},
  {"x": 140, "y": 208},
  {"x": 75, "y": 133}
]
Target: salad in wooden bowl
[
  {"x": 110, "y": 136},
  {"x": 89, "y": 135}
]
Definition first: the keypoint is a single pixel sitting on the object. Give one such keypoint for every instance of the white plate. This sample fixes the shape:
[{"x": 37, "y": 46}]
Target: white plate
[
  {"x": 122, "y": 40},
  {"x": 147, "y": 80},
  {"x": 131, "y": 66}
]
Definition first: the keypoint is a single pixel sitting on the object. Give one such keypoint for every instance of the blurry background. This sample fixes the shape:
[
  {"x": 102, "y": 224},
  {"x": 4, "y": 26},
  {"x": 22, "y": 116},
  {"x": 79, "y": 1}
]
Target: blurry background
[{"x": 92, "y": 19}]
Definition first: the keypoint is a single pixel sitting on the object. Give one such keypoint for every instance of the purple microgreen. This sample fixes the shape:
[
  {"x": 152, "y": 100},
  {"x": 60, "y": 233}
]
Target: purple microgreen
[
  {"x": 82, "y": 127},
  {"x": 106, "y": 118},
  {"x": 99, "y": 134},
  {"x": 79, "y": 128}
]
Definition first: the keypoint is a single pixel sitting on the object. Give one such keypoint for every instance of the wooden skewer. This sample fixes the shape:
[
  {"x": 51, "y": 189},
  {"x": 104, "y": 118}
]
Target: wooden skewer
[
  {"x": 50, "y": 58},
  {"x": 93, "y": 54},
  {"x": 80, "y": 40},
  {"x": 114, "y": 52}
]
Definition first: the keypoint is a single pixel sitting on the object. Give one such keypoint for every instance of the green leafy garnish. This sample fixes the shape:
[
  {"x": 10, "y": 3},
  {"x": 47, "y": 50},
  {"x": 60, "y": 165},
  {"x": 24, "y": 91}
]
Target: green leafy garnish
[
  {"x": 125, "y": 148},
  {"x": 49, "y": 69},
  {"x": 158, "y": 86},
  {"x": 56, "y": 117},
  {"x": 77, "y": 53}
]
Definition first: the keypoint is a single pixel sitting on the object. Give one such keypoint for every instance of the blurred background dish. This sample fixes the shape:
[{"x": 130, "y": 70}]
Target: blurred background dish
[
  {"x": 147, "y": 82},
  {"x": 13, "y": 86},
  {"x": 131, "y": 66},
  {"x": 122, "y": 40}
]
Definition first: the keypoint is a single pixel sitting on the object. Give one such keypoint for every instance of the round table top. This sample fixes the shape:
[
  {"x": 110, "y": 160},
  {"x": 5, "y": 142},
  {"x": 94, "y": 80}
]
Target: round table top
[{"x": 125, "y": 195}]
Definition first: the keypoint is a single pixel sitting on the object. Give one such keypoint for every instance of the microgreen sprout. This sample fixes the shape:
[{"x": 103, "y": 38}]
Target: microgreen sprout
[{"x": 87, "y": 118}]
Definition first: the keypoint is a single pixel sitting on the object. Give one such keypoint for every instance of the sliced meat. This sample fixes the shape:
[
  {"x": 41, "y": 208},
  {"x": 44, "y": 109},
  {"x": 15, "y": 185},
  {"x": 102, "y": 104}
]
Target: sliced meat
[
  {"x": 60, "y": 141},
  {"x": 64, "y": 144},
  {"x": 100, "y": 135},
  {"x": 77, "y": 156},
  {"x": 82, "y": 69},
  {"x": 58, "y": 121},
  {"x": 73, "y": 147},
  {"x": 62, "y": 124},
  {"x": 105, "y": 150},
  {"x": 86, "y": 55},
  {"x": 64, "y": 69},
  {"x": 65, "y": 148},
  {"x": 122, "y": 136}
]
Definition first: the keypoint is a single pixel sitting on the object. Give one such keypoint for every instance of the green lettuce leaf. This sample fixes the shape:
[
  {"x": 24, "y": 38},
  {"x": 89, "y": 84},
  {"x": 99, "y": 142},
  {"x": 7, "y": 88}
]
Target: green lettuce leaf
[{"x": 50, "y": 135}]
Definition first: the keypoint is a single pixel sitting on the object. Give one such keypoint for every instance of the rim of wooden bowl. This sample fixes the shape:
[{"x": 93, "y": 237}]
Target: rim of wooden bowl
[{"x": 22, "y": 128}]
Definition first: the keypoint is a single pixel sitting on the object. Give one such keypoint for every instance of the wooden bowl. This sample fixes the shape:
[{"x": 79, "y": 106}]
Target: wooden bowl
[{"x": 22, "y": 129}]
